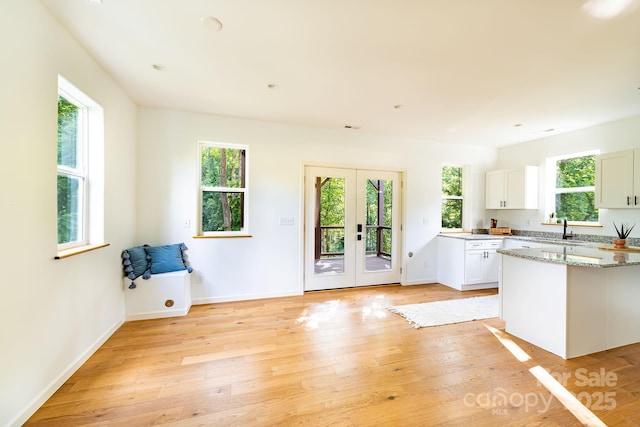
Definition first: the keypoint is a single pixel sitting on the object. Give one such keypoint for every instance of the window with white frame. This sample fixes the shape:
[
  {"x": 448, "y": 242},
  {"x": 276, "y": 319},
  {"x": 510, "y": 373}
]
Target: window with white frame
[
  {"x": 223, "y": 189},
  {"x": 574, "y": 189},
  {"x": 452, "y": 197},
  {"x": 80, "y": 168}
]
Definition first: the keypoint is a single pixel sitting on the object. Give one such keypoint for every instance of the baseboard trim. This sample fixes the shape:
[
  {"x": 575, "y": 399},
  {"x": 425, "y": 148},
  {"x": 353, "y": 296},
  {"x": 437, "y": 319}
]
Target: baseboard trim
[
  {"x": 63, "y": 377},
  {"x": 426, "y": 281},
  {"x": 246, "y": 297},
  {"x": 158, "y": 314}
]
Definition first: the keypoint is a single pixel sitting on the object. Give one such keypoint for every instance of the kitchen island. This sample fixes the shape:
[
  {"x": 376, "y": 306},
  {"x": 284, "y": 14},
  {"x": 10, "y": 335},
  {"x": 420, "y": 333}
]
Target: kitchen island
[{"x": 571, "y": 300}]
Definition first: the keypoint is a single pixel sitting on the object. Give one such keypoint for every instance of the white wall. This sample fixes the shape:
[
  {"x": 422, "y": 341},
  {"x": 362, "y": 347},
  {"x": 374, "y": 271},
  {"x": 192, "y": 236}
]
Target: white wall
[
  {"x": 55, "y": 312},
  {"x": 269, "y": 263},
  {"x": 609, "y": 137}
]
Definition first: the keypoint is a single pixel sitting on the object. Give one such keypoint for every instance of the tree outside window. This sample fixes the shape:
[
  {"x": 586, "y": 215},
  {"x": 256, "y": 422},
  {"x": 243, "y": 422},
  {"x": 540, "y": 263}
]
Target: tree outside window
[
  {"x": 452, "y": 199},
  {"x": 575, "y": 189},
  {"x": 223, "y": 188}
]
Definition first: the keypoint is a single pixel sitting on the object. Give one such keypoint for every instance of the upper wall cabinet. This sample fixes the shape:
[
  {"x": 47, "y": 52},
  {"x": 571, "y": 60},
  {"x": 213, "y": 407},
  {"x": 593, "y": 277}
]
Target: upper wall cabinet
[
  {"x": 512, "y": 188},
  {"x": 618, "y": 180}
]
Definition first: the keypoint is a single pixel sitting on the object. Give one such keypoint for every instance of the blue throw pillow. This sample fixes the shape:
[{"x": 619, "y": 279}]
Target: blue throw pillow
[
  {"x": 136, "y": 262},
  {"x": 166, "y": 258}
]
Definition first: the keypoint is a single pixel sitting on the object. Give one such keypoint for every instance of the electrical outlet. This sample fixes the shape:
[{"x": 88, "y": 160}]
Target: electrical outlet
[
  {"x": 286, "y": 221},
  {"x": 186, "y": 223}
]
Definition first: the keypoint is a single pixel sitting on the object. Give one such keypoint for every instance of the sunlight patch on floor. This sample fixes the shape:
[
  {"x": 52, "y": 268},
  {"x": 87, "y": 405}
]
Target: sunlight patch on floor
[{"x": 564, "y": 396}]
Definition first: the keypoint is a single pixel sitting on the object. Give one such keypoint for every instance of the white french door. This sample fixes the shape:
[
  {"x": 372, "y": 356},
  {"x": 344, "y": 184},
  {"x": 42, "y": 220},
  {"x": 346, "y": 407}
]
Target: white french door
[{"x": 352, "y": 227}]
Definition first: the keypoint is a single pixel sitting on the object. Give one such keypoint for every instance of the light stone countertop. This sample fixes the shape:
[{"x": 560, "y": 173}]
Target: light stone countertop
[{"x": 581, "y": 256}]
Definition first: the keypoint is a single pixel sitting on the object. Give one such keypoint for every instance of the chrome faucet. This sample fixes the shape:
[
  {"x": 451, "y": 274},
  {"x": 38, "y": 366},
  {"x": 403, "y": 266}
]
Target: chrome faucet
[{"x": 566, "y": 236}]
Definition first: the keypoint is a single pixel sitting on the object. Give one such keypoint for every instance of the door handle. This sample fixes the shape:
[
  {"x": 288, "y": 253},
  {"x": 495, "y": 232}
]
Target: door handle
[
  {"x": 359, "y": 237},
  {"x": 359, "y": 228}
]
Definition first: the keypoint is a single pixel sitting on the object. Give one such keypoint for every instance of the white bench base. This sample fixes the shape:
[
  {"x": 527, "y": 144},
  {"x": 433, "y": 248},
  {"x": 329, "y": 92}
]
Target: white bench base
[{"x": 162, "y": 295}]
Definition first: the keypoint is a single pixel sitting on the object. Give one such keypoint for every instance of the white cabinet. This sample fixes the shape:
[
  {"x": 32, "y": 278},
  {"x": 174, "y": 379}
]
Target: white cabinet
[
  {"x": 468, "y": 264},
  {"x": 512, "y": 188},
  {"x": 481, "y": 263},
  {"x": 618, "y": 180}
]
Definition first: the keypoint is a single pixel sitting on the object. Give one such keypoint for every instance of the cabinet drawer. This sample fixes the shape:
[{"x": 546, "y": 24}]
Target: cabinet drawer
[
  {"x": 493, "y": 244},
  {"x": 483, "y": 244},
  {"x": 474, "y": 244}
]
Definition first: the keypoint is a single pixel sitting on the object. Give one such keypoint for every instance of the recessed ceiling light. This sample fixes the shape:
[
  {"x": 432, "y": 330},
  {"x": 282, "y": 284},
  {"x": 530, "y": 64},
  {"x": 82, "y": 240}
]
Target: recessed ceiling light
[
  {"x": 95, "y": 1},
  {"x": 159, "y": 67},
  {"x": 351, "y": 127},
  {"x": 211, "y": 23},
  {"x": 273, "y": 86},
  {"x": 517, "y": 125},
  {"x": 397, "y": 106}
]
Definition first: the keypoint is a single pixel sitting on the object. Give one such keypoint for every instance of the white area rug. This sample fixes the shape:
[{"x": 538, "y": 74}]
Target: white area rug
[{"x": 449, "y": 311}]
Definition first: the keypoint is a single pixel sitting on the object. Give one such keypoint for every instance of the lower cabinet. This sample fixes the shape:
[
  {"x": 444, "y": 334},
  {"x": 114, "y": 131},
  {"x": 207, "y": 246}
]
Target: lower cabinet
[
  {"x": 480, "y": 266},
  {"x": 468, "y": 264}
]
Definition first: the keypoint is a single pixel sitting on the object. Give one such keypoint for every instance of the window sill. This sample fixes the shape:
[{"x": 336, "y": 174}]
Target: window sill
[
  {"x": 79, "y": 250},
  {"x": 223, "y": 236},
  {"x": 573, "y": 224}
]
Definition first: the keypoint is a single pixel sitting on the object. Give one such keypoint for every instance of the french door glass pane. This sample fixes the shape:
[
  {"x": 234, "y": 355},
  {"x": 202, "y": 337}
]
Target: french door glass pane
[
  {"x": 379, "y": 196},
  {"x": 69, "y": 209},
  {"x": 330, "y": 225}
]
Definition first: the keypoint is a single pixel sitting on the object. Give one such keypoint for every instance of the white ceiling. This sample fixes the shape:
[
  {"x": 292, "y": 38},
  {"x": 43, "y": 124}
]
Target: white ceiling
[{"x": 461, "y": 71}]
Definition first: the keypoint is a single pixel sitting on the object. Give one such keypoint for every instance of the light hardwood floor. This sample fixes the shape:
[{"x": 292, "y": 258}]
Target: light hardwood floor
[{"x": 332, "y": 358}]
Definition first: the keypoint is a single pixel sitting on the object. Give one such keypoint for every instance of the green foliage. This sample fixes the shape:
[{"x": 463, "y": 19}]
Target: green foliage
[
  {"x": 332, "y": 214},
  {"x": 222, "y": 168},
  {"x": 452, "y": 213},
  {"x": 68, "y": 188},
  {"x": 373, "y": 221},
  {"x": 576, "y": 172},
  {"x": 332, "y": 211},
  {"x": 451, "y": 197},
  {"x": 578, "y": 205},
  {"x": 452, "y": 181},
  {"x": 68, "y": 117},
  {"x": 218, "y": 205},
  {"x": 68, "y": 209}
]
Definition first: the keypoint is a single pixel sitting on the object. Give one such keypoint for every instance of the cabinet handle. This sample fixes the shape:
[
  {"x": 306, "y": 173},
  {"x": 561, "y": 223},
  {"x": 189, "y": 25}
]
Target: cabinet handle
[
  {"x": 628, "y": 200},
  {"x": 635, "y": 200}
]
